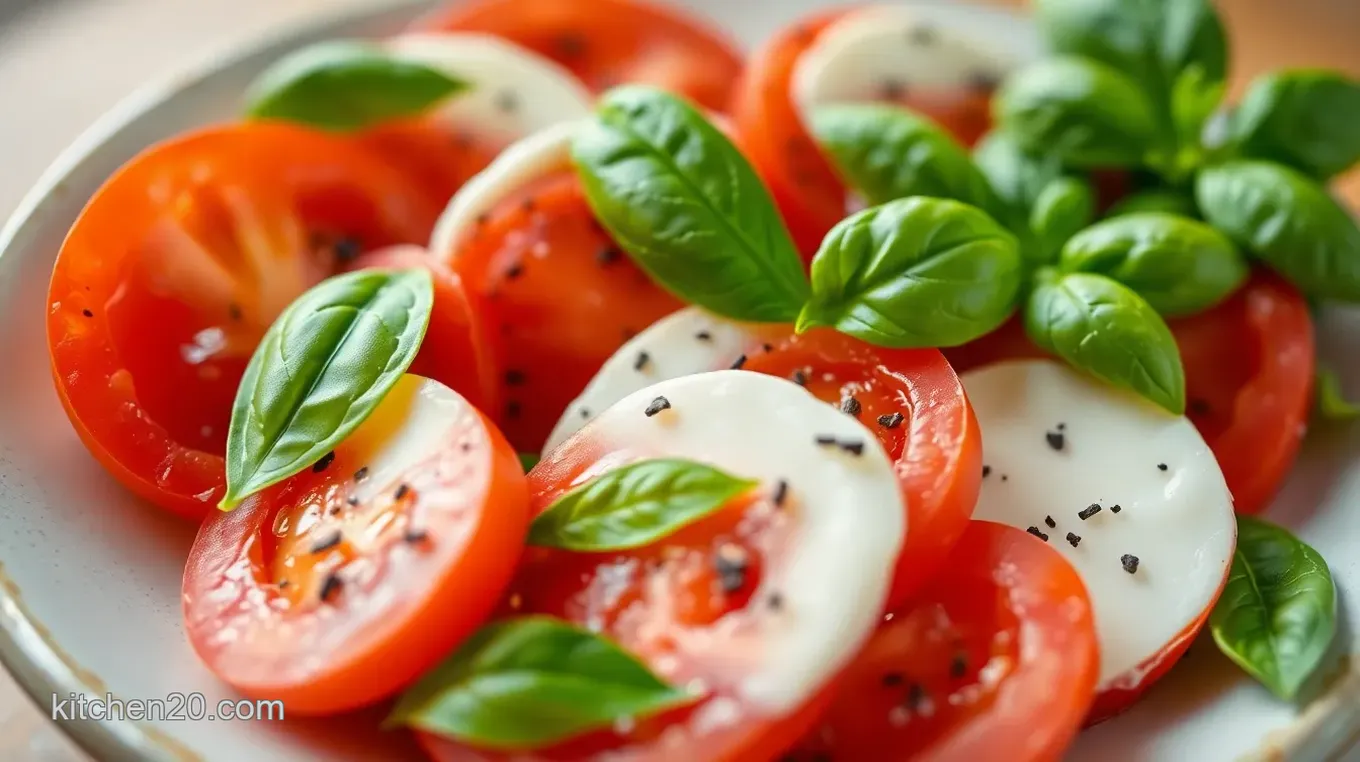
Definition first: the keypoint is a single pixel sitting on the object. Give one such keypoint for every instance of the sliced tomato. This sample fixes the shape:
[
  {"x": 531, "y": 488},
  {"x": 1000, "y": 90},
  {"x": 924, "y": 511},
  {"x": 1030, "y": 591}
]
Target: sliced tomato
[
  {"x": 1249, "y": 367},
  {"x": 337, "y": 587},
  {"x": 562, "y": 296},
  {"x": 995, "y": 659},
  {"x": 176, "y": 268},
  {"x": 809, "y": 194},
  {"x": 914, "y": 402},
  {"x": 425, "y": 150},
  {"x": 455, "y": 351},
  {"x": 609, "y": 42}
]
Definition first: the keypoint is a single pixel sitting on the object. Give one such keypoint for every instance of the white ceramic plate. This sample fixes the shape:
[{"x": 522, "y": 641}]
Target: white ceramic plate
[{"x": 89, "y": 577}]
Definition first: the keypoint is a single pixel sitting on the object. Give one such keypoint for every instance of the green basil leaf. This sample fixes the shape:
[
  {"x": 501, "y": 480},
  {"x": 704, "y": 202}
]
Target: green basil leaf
[
  {"x": 680, "y": 199},
  {"x": 321, "y": 369},
  {"x": 1065, "y": 206},
  {"x": 1306, "y": 119},
  {"x": 1016, "y": 175},
  {"x": 527, "y": 460},
  {"x": 1105, "y": 329},
  {"x": 887, "y": 152},
  {"x": 1155, "y": 200},
  {"x": 1285, "y": 218},
  {"x": 1085, "y": 113},
  {"x": 916, "y": 272},
  {"x": 1178, "y": 265},
  {"x": 635, "y": 505},
  {"x": 532, "y": 682},
  {"x": 1330, "y": 400},
  {"x": 1277, "y": 615},
  {"x": 346, "y": 86}
]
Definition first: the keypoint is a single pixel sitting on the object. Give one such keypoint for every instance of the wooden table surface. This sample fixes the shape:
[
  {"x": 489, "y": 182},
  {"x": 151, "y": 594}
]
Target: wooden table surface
[{"x": 64, "y": 62}]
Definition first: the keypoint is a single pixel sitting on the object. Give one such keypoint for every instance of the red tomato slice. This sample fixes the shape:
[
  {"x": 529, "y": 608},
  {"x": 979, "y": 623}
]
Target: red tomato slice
[
  {"x": 936, "y": 444},
  {"x": 339, "y": 586},
  {"x": 608, "y": 42},
  {"x": 562, "y": 295},
  {"x": 176, "y": 268},
  {"x": 1249, "y": 367},
  {"x": 434, "y": 159},
  {"x": 455, "y": 351},
  {"x": 995, "y": 659},
  {"x": 809, "y": 194}
]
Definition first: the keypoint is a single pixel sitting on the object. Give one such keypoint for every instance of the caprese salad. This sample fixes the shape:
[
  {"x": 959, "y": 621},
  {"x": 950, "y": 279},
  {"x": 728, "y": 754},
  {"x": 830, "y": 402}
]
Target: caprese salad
[{"x": 802, "y": 433}]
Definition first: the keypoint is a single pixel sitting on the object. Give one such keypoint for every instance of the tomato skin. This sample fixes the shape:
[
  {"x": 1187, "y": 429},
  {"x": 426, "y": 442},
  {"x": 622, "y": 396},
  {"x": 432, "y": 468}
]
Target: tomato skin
[
  {"x": 256, "y": 604},
  {"x": 252, "y": 196},
  {"x": 438, "y": 161},
  {"x": 608, "y": 42},
  {"x": 1004, "y": 601}
]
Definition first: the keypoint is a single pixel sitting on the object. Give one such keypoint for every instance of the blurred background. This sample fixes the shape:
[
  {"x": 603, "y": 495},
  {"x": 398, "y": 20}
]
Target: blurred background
[{"x": 65, "y": 62}]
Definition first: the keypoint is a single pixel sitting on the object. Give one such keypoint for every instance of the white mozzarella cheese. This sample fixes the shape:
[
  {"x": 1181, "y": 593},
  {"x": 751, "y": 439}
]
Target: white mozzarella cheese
[
  {"x": 1057, "y": 443},
  {"x": 845, "y": 521}
]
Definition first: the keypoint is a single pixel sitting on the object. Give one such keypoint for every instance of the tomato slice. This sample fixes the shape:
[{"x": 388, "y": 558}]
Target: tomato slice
[
  {"x": 1249, "y": 367},
  {"x": 995, "y": 659},
  {"x": 562, "y": 298},
  {"x": 434, "y": 158},
  {"x": 335, "y": 588},
  {"x": 609, "y": 42},
  {"x": 455, "y": 351},
  {"x": 806, "y": 188},
  {"x": 176, "y": 268}
]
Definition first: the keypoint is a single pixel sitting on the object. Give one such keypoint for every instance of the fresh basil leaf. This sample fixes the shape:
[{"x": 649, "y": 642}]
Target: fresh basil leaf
[
  {"x": 1155, "y": 200},
  {"x": 1065, "y": 206},
  {"x": 1329, "y": 398},
  {"x": 1105, "y": 329},
  {"x": 1277, "y": 615},
  {"x": 527, "y": 460},
  {"x": 1017, "y": 176},
  {"x": 1306, "y": 119},
  {"x": 532, "y": 682},
  {"x": 1285, "y": 218},
  {"x": 347, "y": 85},
  {"x": 680, "y": 199},
  {"x": 1180, "y": 266},
  {"x": 321, "y": 369},
  {"x": 887, "y": 152},
  {"x": 916, "y": 272},
  {"x": 635, "y": 505},
  {"x": 1085, "y": 113}
]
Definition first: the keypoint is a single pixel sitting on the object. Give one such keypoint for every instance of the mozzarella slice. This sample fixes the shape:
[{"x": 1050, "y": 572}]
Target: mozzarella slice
[
  {"x": 514, "y": 91},
  {"x": 845, "y": 521},
  {"x": 543, "y": 153},
  {"x": 684, "y": 342},
  {"x": 879, "y": 49},
  {"x": 1056, "y": 443}
]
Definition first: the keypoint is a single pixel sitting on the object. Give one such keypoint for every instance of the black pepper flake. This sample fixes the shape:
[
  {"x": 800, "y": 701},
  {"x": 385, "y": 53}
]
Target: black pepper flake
[
  {"x": 331, "y": 587},
  {"x": 1088, "y": 511},
  {"x": 1004, "y": 477},
  {"x": 283, "y": 583},
  {"x": 326, "y": 543},
  {"x": 1055, "y": 439},
  {"x": 570, "y": 45},
  {"x": 361, "y": 474},
  {"x": 507, "y": 102},
  {"x": 891, "y": 421},
  {"x": 334, "y": 511},
  {"x": 850, "y": 406},
  {"x": 87, "y": 313},
  {"x": 482, "y": 219},
  {"x": 515, "y": 377},
  {"x": 893, "y": 679},
  {"x": 731, "y": 564},
  {"x": 800, "y": 377},
  {"x": 656, "y": 406},
  {"x": 983, "y": 81},
  {"x": 1037, "y": 533},
  {"x": 703, "y": 336},
  {"x": 740, "y": 361},
  {"x": 1129, "y": 562},
  {"x": 825, "y": 440},
  {"x": 324, "y": 463},
  {"x": 1073, "y": 539},
  {"x": 347, "y": 249},
  {"x": 353, "y": 500},
  {"x": 514, "y": 271},
  {"x": 512, "y": 409},
  {"x": 892, "y": 90},
  {"x": 1062, "y": 427},
  {"x": 401, "y": 492},
  {"x": 1115, "y": 508},
  {"x": 781, "y": 492},
  {"x": 234, "y": 312},
  {"x": 607, "y": 255},
  {"x": 775, "y": 601},
  {"x": 986, "y": 471},
  {"x": 1199, "y": 407},
  {"x": 854, "y": 448},
  {"x": 958, "y": 666},
  {"x": 413, "y": 535},
  {"x": 585, "y": 412},
  {"x": 528, "y": 205},
  {"x": 641, "y": 362},
  {"x": 1050, "y": 522},
  {"x": 1161, "y": 466},
  {"x": 767, "y": 347}
]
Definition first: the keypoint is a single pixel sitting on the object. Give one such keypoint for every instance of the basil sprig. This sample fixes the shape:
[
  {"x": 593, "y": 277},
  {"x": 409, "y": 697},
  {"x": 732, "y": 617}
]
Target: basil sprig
[
  {"x": 1178, "y": 265},
  {"x": 532, "y": 682},
  {"x": 1277, "y": 615},
  {"x": 1063, "y": 207},
  {"x": 1306, "y": 119},
  {"x": 634, "y": 505},
  {"x": 320, "y": 371},
  {"x": 347, "y": 85},
  {"x": 916, "y": 272},
  {"x": 1107, "y": 330},
  {"x": 683, "y": 202}
]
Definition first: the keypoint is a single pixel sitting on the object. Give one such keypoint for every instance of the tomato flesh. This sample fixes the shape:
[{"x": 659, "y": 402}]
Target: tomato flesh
[
  {"x": 435, "y": 158},
  {"x": 996, "y": 658},
  {"x": 176, "y": 268},
  {"x": 340, "y": 585}
]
